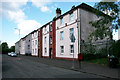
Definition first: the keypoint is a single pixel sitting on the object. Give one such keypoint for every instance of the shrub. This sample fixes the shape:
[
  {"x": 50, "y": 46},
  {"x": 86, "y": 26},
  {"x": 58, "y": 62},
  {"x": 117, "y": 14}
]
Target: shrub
[
  {"x": 91, "y": 52},
  {"x": 115, "y": 48}
]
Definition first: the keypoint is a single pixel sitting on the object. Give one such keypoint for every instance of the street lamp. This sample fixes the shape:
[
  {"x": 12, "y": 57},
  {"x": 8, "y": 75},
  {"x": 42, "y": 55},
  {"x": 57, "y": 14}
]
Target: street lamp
[
  {"x": 19, "y": 32},
  {"x": 72, "y": 38},
  {"x": 19, "y": 38}
]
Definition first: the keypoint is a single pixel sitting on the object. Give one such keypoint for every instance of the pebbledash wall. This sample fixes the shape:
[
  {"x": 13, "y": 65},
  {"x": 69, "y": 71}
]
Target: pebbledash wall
[{"x": 52, "y": 40}]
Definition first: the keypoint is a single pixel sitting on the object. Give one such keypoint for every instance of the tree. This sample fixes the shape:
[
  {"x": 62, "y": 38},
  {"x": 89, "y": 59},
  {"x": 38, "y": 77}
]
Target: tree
[
  {"x": 12, "y": 49},
  {"x": 5, "y": 48},
  {"x": 102, "y": 25}
]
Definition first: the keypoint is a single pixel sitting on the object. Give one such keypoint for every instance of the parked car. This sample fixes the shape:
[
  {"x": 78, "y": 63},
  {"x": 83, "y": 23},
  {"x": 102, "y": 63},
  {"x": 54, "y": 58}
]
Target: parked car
[
  {"x": 13, "y": 54},
  {"x": 9, "y": 54}
]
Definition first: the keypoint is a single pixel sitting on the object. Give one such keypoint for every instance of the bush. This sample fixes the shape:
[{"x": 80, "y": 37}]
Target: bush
[
  {"x": 93, "y": 56},
  {"x": 115, "y": 48},
  {"x": 92, "y": 52}
]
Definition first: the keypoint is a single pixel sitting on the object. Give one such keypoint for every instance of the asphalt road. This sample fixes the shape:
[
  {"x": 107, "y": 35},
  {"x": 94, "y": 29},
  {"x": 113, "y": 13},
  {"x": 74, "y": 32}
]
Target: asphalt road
[{"x": 20, "y": 67}]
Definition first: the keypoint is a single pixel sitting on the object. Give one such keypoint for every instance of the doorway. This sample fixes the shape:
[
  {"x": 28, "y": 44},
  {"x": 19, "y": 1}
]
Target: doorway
[{"x": 50, "y": 55}]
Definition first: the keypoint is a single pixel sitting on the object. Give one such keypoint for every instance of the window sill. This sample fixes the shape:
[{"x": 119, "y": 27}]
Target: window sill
[
  {"x": 71, "y": 53},
  {"x": 61, "y": 53}
]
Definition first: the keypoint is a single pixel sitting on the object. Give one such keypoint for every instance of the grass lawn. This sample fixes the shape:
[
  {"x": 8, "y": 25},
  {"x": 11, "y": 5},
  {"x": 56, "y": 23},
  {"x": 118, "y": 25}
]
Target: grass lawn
[{"x": 101, "y": 61}]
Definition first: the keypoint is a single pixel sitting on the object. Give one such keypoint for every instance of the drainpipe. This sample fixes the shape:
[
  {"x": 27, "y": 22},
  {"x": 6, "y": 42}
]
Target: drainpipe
[
  {"x": 78, "y": 30},
  {"x": 79, "y": 36}
]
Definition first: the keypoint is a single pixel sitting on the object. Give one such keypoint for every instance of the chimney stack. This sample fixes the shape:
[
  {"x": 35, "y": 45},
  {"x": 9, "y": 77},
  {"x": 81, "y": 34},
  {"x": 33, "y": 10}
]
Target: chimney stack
[
  {"x": 58, "y": 12},
  {"x": 73, "y": 7}
]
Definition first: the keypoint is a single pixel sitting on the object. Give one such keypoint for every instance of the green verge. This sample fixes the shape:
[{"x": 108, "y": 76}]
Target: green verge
[{"x": 101, "y": 61}]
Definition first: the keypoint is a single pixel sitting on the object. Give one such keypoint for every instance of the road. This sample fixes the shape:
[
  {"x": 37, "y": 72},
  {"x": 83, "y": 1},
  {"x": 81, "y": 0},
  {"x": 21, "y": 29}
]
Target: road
[{"x": 20, "y": 67}]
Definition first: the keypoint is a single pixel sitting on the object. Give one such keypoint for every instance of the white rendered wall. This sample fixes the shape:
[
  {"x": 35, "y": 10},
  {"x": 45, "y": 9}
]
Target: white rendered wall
[
  {"x": 35, "y": 46},
  {"x": 66, "y": 42},
  {"x": 45, "y": 45},
  {"x": 22, "y": 51}
]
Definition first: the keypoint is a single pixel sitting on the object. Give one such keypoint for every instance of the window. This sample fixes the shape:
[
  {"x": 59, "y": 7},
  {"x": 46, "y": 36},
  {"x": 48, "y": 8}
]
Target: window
[
  {"x": 71, "y": 48},
  {"x": 32, "y": 35},
  {"x": 62, "y": 35},
  {"x": 39, "y": 43},
  {"x": 71, "y": 32},
  {"x": 45, "y": 29},
  {"x": 50, "y": 40},
  {"x": 61, "y": 20},
  {"x": 39, "y": 33},
  {"x": 71, "y": 16},
  {"x": 28, "y": 46},
  {"x": 33, "y": 51},
  {"x": 45, "y": 40},
  {"x": 35, "y": 42},
  {"x": 62, "y": 49},
  {"x": 45, "y": 50},
  {"x": 51, "y": 27}
]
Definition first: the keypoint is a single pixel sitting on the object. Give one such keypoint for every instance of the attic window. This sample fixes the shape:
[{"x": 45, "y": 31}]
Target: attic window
[
  {"x": 61, "y": 20},
  {"x": 71, "y": 16}
]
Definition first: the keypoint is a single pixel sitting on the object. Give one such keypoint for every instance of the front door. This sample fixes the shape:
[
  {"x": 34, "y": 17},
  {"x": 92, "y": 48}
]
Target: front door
[{"x": 50, "y": 53}]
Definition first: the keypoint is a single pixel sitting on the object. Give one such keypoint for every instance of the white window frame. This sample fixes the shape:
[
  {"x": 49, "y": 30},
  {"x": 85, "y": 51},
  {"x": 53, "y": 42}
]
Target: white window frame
[
  {"x": 70, "y": 32},
  {"x": 61, "y": 35},
  {"x": 45, "y": 50},
  {"x": 71, "y": 16},
  {"x": 35, "y": 50},
  {"x": 62, "y": 49},
  {"x": 28, "y": 46},
  {"x": 71, "y": 49},
  {"x": 45, "y": 28},
  {"x": 45, "y": 39},
  {"x": 51, "y": 27},
  {"x": 35, "y": 42},
  {"x": 34, "y": 34},
  {"x": 61, "y": 20}
]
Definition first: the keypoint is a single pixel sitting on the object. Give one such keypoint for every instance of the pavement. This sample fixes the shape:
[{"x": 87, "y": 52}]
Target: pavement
[{"x": 91, "y": 68}]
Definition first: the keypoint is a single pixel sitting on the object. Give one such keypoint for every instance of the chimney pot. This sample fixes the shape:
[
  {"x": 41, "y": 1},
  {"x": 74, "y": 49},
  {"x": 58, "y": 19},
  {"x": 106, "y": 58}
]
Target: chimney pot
[{"x": 58, "y": 12}]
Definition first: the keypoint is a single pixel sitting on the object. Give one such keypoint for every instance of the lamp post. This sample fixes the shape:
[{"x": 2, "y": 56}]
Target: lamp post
[
  {"x": 19, "y": 38},
  {"x": 73, "y": 41}
]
